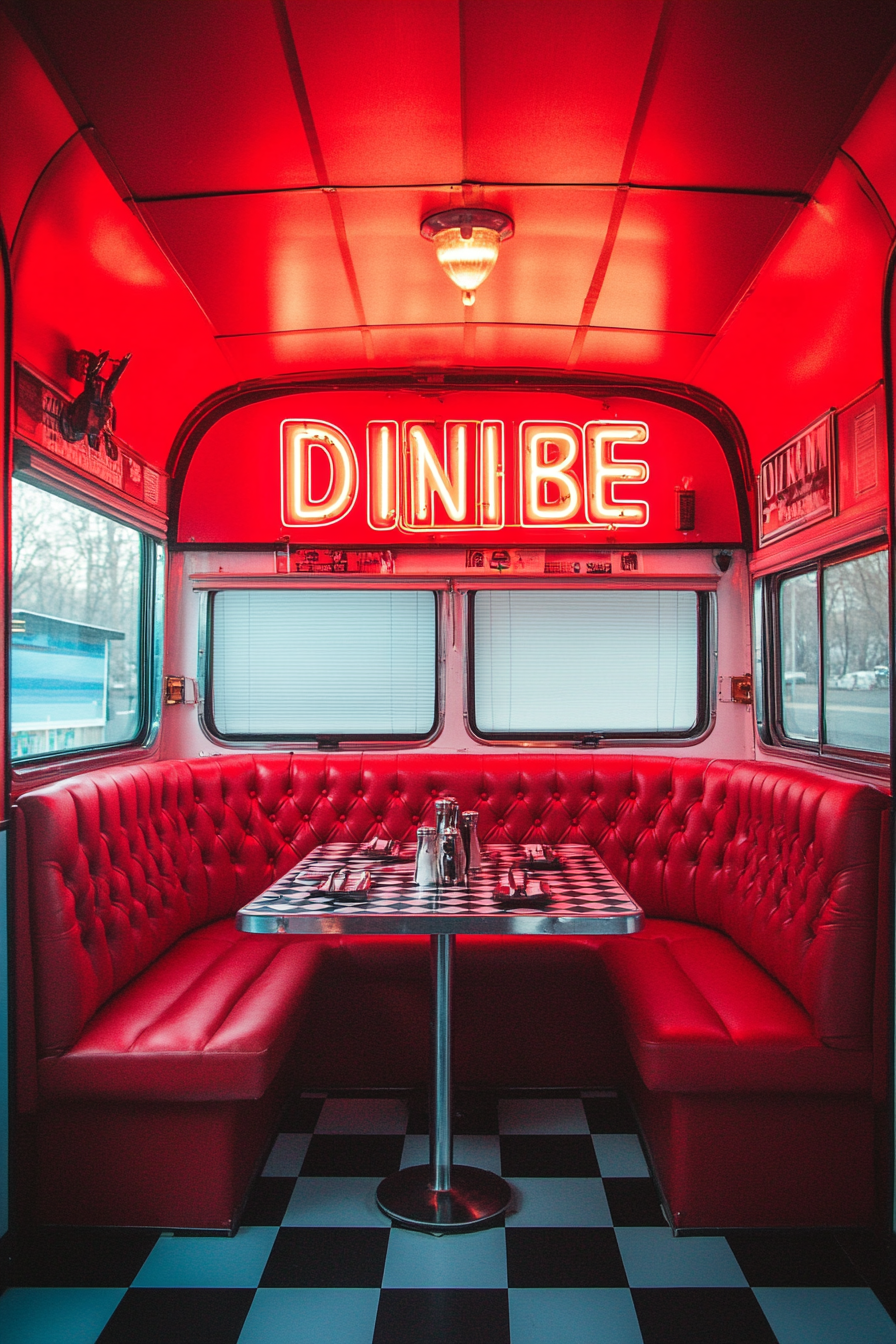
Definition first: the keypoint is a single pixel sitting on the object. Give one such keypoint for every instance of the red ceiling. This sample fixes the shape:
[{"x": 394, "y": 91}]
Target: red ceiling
[{"x": 283, "y": 153}]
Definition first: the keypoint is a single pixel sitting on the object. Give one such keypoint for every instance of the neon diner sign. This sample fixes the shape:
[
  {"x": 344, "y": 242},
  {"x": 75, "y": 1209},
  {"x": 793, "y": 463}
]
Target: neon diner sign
[{"x": 420, "y": 476}]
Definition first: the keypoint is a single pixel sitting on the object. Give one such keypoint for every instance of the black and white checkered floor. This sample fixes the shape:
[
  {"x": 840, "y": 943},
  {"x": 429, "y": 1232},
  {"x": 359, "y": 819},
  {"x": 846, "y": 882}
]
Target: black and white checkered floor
[{"x": 584, "y": 1257}]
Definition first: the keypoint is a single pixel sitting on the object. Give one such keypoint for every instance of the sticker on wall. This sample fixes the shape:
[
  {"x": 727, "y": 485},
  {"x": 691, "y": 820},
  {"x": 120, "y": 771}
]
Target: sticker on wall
[
  {"x": 503, "y": 560},
  {"x": 585, "y": 563}
]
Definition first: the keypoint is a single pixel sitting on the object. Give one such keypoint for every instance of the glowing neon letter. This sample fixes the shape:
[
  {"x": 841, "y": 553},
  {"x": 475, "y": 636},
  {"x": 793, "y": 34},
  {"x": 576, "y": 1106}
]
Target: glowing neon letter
[
  {"x": 491, "y": 474},
  {"x": 603, "y": 472},
  {"x": 382, "y": 474},
  {"x": 430, "y": 477},
  {"x": 301, "y": 438},
  {"x": 537, "y": 472}
]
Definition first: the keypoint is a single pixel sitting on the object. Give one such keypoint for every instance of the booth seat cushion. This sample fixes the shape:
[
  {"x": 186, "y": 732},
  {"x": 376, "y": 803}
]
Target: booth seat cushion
[
  {"x": 702, "y": 1016},
  {"x": 212, "y": 1019}
]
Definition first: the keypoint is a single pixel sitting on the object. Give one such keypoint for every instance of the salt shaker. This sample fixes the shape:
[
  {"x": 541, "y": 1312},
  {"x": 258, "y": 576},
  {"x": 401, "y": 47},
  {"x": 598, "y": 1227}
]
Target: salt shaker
[
  {"x": 469, "y": 824},
  {"x": 425, "y": 866}
]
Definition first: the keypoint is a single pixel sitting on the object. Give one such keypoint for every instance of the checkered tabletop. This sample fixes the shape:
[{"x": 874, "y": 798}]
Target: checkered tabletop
[{"x": 585, "y": 897}]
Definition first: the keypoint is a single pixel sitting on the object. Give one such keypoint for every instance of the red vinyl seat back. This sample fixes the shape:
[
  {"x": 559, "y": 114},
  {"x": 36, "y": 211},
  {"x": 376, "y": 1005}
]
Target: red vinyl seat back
[{"x": 123, "y": 862}]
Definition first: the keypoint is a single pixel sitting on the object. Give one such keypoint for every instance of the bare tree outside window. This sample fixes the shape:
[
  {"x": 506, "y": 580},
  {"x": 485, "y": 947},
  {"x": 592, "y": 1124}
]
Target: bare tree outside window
[{"x": 76, "y": 585}]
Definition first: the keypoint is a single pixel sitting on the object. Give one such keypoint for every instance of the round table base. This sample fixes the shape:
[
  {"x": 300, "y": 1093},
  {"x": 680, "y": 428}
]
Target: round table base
[{"x": 475, "y": 1197}]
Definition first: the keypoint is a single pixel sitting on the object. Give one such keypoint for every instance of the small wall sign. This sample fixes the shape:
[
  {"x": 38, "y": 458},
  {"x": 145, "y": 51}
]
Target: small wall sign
[{"x": 796, "y": 483}]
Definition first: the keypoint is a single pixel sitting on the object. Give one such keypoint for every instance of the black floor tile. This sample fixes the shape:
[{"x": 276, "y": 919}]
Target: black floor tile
[
  {"x": 353, "y": 1155},
  {"x": 548, "y": 1155},
  {"x": 633, "y": 1201},
  {"x": 793, "y": 1260},
  {"x": 327, "y": 1257},
  {"x": 442, "y": 1316},
  {"x": 80, "y": 1258},
  {"x": 178, "y": 1316},
  {"x": 609, "y": 1115},
  {"x": 475, "y": 1113},
  {"x": 267, "y": 1201},
  {"x": 563, "y": 1257},
  {"x": 301, "y": 1115},
  {"x": 701, "y": 1316},
  {"x": 418, "y": 1112}
]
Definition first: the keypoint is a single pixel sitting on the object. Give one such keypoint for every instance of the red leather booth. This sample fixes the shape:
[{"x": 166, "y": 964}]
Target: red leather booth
[{"x": 158, "y": 1043}]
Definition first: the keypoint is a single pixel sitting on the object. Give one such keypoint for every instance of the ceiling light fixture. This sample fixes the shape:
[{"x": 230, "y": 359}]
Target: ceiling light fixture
[{"x": 467, "y": 243}]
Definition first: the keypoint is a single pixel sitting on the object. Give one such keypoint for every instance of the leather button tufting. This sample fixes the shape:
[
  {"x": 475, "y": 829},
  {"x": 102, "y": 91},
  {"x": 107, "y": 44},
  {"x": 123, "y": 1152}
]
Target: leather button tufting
[
  {"x": 342, "y": 816},
  {"x": 593, "y": 794},
  {"x": 379, "y": 816}
]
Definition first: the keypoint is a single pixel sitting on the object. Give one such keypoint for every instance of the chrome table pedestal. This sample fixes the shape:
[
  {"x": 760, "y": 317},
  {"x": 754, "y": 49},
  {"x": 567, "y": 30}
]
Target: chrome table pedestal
[
  {"x": 442, "y": 1197},
  {"x": 584, "y": 898}
]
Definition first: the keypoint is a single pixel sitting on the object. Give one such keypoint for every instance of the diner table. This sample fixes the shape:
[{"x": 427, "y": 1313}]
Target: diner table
[{"x": 570, "y": 892}]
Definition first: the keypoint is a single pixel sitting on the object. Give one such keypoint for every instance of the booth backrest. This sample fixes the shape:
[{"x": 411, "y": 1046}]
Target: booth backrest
[{"x": 121, "y": 863}]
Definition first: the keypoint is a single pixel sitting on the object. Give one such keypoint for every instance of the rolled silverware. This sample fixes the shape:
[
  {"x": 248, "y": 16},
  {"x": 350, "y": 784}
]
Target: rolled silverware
[{"x": 358, "y": 892}]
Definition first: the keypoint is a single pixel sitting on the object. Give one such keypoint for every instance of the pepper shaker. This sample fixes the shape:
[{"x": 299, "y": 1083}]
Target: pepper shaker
[{"x": 469, "y": 829}]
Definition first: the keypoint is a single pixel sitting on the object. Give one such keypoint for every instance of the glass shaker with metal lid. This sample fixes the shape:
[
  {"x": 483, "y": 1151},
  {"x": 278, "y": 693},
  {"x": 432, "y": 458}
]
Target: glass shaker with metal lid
[{"x": 426, "y": 862}]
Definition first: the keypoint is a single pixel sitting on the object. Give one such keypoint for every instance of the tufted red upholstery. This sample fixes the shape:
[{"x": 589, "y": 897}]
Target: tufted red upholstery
[
  {"x": 124, "y": 862},
  {"x": 760, "y": 883}
]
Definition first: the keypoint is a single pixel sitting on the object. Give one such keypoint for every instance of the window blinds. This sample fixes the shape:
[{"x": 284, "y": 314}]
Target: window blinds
[
  {"x": 549, "y": 661},
  {"x": 320, "y": 662}
]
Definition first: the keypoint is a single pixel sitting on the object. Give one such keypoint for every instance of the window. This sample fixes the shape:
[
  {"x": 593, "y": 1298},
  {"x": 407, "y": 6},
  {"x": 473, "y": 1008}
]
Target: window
[
  {"x": 316, "y": 663},
  {"x": 80, "y": 647},
  {"x": 559, "y": 664},
  {"x": 833, "y": 678},
  {"x": 798, "y": 623},
  {"x": 759, "y": 680}
]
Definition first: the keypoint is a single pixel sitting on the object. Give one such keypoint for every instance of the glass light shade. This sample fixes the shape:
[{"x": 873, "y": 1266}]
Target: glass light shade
[{"x": 468, "y": 261}]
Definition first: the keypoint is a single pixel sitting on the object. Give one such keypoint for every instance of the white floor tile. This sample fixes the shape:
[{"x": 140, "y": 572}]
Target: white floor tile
[
  {"x": 56, "y": 1315},
  {"x": 619, "y": 1155},
  {"x": 208, "y": 1262},
  {"x": 573, "y": 1316},
  {"x": 563, "y": 1201},
  {"x": 471, "y": 1260},
  {"x": 653, "y": 1258},
  {"x": 826, "y": 1316},
  {"x": 335, "y": 1201},
  {"x": 311, "y": 1316}
]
